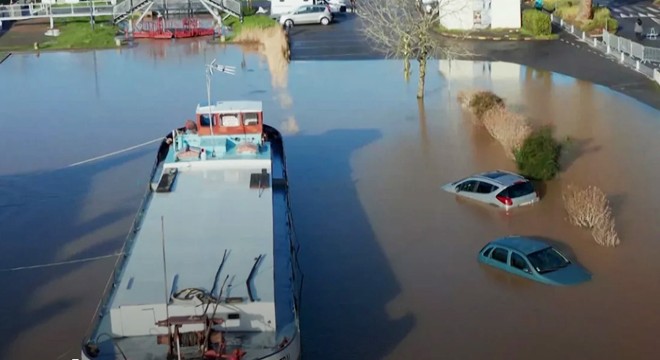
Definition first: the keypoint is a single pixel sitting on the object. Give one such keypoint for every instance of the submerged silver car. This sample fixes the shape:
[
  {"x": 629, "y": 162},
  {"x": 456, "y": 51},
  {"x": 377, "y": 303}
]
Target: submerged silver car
[
  {"x": 499, "y": 188},
  {"x": 307, "y": 14}
]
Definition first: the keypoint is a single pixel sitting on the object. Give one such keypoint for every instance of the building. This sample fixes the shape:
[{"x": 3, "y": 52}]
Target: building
[{"x": 480, "y": 14}]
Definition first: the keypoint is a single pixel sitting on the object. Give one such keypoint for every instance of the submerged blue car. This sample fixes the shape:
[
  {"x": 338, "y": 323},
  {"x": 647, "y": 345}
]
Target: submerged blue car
[{"x": 533, "y": 259}]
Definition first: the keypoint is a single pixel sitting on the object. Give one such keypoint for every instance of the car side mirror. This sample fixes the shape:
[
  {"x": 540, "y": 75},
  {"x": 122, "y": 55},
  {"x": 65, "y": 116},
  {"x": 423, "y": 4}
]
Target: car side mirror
[{"x": 458, "y": 189}]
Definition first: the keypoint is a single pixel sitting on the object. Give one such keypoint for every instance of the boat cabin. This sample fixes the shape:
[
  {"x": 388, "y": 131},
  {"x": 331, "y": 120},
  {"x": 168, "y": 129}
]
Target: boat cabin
[
  {"x": 222, "y": 130},
  {"x": 230, "y": 118}
]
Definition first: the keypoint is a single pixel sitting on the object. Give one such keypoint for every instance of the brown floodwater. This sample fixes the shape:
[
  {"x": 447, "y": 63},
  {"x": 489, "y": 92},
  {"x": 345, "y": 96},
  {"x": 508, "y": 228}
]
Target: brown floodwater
[{"x": 389, "y": 259}]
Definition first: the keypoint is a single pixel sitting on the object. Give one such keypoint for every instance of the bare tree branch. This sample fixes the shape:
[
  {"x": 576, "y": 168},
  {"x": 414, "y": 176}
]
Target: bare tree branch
[{"x": 407, "y": 29}]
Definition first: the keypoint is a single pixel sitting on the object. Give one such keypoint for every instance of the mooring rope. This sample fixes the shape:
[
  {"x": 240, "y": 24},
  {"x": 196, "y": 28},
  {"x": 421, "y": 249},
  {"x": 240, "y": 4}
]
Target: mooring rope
[
  {"x": 59, "y": 263},
  {"x": 117, "y": 152}
]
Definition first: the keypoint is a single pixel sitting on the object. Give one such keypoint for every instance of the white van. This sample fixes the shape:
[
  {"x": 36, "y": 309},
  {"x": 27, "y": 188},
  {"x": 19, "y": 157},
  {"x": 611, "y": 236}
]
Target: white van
[{"x": 279, "y": 7}]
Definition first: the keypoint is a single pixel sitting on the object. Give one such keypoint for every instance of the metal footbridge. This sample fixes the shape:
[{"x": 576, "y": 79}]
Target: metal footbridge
[{"x": 120, "y": 11}]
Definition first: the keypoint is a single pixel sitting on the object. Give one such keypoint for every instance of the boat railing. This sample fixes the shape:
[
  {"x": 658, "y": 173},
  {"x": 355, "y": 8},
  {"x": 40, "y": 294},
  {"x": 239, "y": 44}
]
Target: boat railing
[{"x": 295, "y": 246}]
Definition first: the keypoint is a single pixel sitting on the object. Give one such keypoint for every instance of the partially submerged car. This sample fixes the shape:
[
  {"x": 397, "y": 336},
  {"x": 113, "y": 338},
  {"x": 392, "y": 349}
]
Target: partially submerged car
[
  {"x": 499, "y": 188},
  {"x": 533, "y": 259}
]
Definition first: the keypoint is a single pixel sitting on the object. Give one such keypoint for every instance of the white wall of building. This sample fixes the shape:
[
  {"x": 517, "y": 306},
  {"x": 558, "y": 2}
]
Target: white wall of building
[
  {"x": 505, "y": 14},
  {"x": 480, "y": 14}
]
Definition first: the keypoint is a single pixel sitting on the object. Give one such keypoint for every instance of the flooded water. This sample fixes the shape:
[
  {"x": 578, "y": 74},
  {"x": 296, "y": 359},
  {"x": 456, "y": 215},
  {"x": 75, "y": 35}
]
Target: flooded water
[{"x": 389, "y": 259}]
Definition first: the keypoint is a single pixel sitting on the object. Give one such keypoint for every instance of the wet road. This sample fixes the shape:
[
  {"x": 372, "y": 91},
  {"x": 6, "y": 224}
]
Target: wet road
[
  {"x": 341, "y": 40},
  {"x": 389, "y": 259}
]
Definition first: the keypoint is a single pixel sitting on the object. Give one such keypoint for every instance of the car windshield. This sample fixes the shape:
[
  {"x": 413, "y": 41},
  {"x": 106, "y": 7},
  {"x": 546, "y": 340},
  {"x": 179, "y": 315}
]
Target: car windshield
[{"x": 547, "y": 260}]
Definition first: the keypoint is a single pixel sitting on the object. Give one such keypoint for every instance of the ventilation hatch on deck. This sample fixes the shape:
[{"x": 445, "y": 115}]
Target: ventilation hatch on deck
[
  {"x": 167, "y": 180},
  {"x": 260, "y": 180}
]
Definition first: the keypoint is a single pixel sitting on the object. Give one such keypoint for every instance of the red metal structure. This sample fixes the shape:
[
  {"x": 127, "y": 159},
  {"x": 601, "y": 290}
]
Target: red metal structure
[{"x": 168, "y": 29}]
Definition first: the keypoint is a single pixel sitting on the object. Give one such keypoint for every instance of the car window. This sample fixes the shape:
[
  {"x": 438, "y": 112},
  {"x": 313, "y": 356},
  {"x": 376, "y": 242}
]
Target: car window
[
  {"x": 518, "y": 262},
  {"x": 487, "y": 252},
  {"x": 500, "y": 254},
  {"x": 547, "y": 260},
  {"x": 518, "y": 190},
  {"x": 468, "y": 186},
  {"x": 485, "y": 188}
]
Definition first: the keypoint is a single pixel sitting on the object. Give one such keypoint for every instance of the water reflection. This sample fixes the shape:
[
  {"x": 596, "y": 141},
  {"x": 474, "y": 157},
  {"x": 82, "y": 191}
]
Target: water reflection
[{"x": 389, "y": 259}]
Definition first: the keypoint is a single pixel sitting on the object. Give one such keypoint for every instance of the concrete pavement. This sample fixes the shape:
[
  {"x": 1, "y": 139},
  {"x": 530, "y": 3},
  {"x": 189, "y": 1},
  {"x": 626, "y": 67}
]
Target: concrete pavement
[
  {"x": 343, "y": 41},
  {"x": 628, "y": 11}
]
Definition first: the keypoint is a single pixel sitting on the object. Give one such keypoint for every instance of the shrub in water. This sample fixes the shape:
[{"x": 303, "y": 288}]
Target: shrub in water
[
  {"x": 464, "y": 98},
  {"x": 538, "y": 157},
  {"x": 536, "y": 22},
  {"x": 482, "y": 101},
  {"x": 508, "y": 128},
  {"x": 589, "y": 208}
]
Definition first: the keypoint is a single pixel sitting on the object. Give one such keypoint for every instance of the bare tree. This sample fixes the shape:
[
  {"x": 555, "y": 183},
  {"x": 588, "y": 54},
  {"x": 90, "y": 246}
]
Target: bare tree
[
  {"x": 407, "y": 29},
  {"x": 588, "y": 207}
]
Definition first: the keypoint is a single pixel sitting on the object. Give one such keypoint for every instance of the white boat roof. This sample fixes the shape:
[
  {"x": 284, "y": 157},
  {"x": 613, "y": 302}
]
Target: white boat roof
[
  {"x": 209, "y": 209},
  {"x": 231, "y": 107}
]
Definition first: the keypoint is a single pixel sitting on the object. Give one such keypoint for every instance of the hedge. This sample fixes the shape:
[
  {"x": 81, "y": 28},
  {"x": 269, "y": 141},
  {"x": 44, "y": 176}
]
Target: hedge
[
  {"x": 536, "y": 22},
  {"x": 538, "y": 157}
]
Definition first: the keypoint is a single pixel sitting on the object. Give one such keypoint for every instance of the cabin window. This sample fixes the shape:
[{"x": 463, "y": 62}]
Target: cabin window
[
  {"x": 204, "y": 120},
  {"x": 229, "y": 120},
  {"x": 250, "y": 119}
]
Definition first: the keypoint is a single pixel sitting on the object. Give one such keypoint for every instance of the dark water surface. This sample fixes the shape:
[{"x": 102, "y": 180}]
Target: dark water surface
[{"x": 389, "y": 259}]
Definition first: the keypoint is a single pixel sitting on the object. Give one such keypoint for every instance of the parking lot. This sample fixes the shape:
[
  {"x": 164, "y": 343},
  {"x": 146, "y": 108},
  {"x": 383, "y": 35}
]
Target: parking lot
[{"x": 341, "y": 40}]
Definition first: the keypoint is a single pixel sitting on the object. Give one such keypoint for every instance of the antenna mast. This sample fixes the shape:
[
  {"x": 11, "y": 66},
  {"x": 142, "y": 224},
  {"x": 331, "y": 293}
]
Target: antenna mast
[
  {"x": 231, "y": 70},
  {"x": 167, "y": 300}
]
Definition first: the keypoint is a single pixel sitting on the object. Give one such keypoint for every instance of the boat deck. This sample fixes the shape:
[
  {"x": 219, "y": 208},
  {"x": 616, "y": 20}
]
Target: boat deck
[{"x": 208, "y": 210}]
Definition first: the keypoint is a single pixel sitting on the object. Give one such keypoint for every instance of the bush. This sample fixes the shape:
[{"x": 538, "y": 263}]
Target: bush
[
  {"x": 538, "y": 157},
  {"x": 569, "y": 12},
  {"x": 536, "y": 22},
  {"x": 589, "y": 208},
  {"x": 248, "y": 10},
  {"x": 464, "y": 98},
  {"x": 483, "y": 101},
  {"x": 602, "y": 19},
  {"x": 509, "y": 129},
  {"x": 554, "y": 4}
]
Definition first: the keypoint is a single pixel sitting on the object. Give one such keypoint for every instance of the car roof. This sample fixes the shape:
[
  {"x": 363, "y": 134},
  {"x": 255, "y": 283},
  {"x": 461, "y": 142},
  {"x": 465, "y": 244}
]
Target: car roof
[
  {"x": 501, "y": 177},
  {"x": 522, "y": 244}
]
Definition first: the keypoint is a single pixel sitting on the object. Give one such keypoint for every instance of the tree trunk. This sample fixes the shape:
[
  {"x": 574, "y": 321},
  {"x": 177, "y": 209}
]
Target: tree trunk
[
  {"x": 423, "y": 130},
  {"x": 585, "y": 11},
  {"x": 422, "y": 75},
  {"x": 406, "y": 58}
]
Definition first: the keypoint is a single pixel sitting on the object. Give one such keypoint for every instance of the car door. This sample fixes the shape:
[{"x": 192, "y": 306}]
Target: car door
[
  {"x": 484, "y": 192},
  {"x": 499, "y": 258},
  {"x": 520, "y": 266},
  {"x": 298, "y": 15},
  {"x": 467, "y": 189},
  {"x": 316, "y": 12},
  {"x": 307, "y": 15}
]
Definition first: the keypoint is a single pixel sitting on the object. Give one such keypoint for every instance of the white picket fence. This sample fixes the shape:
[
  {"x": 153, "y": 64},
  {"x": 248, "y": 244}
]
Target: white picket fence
[{"x": 644, "y": 59}]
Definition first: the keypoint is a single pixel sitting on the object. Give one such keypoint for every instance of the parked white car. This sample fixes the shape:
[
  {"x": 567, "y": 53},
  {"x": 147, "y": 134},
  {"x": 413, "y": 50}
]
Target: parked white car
[{"x": 307, "y": 14}]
